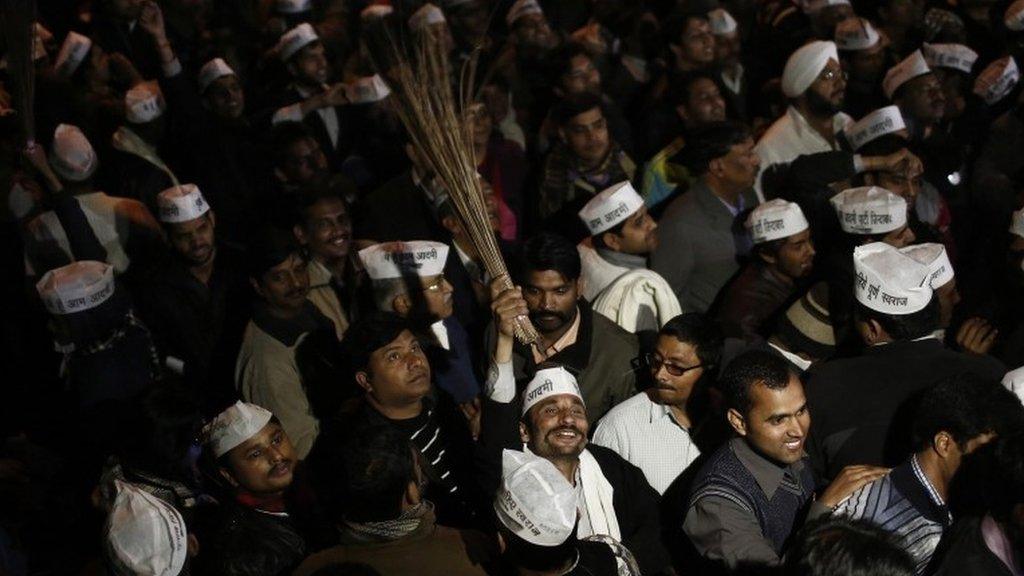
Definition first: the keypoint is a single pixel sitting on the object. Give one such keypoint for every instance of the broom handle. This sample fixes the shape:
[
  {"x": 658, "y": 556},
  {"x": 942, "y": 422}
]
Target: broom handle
[{"x": 525, "y": 332}]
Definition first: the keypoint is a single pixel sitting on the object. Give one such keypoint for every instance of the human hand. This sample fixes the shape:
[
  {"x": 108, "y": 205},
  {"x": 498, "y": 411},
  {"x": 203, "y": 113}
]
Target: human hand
[
  {"x": 977, "y": 336},
  {"x": 851, "y": 479},
  {"x": 507, "y": 305},
  {"x": 152, "y": 20}
]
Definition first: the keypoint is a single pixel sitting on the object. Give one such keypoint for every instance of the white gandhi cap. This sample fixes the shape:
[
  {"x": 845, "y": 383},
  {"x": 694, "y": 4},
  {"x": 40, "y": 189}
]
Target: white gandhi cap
[
  {"x": 997, "y": 80},
  {"x": 535, "y": 502},
  {"x": 1014, "y": 16},
  {"x": 293, "y": 6},
  {"x": 721, "y": 22},
  {"x": 909, "y": 68},
  {"x": 522, "y": 8},
  {"x": 144, "y": 102},
  {"x": 296, "y": 39},
  {"x": 933, "y": 256},
  {"x": 76, "y": 287},
  {"x": 774, "y": 220},
  {"x": 955, "y": 56},
  {"x": 71, "y": 155},
  {"x": 804, "y": 66},
  {"x": 182, "y": 203},
  {"x": 233, "y": 426},
  {"x": 211, "y": 71},
  {"x": 856, "y": 33},
  {"x": 399, "y": 259},
  {"x": 870, "y": 210},
  {"x": 889, "y": 281},
  {"x": 145, "y": 535},
  {"x": 72, "y": 53},
  {"x": 610, "y": 207},
  {"x": 427, "y": 15},
  {"x": 367, "y": 90},
  {"x": 549, "y": 382},
  {"x": 878, "y": 123}
]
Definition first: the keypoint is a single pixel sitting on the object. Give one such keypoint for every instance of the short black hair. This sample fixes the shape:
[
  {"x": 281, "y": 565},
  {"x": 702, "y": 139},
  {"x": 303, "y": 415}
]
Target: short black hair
[
  {"x": 323, "y": 368},
  {"x": 372, "y": 464},
  {"x": 339, "y": 187},
  {"x": 372, "y": 332},
  {"x": 539, "y": 558},
  {"x": 884, "y": 145},
  {"x": 699, "y": 331},
  {"x": 903, "y": 327},
  {"x": 560, "y": 60},
  {"x": 271, "y": 246},
  {"x": 680, "y": 87},
  {"x": 756, "y": 367},
  {"x": 549, "y": 251},
  {"x": 954, "y": 406},
  {"x": 711, "y": 142},
  {"x": 282, "y": 136},
  {"x": 676, "y": 23},
  {"x": 572, "y": 106},
  {"x": 598, "y": 239},
  {"x": 841, "y": 546}
]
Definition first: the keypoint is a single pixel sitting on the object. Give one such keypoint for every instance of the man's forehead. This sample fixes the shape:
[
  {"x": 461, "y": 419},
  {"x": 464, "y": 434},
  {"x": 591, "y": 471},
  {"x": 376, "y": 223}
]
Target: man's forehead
[
  {"x": 777, "y": 400},
  {"x": 546, "y": 279},
  {"x": 559, "y": 400}
]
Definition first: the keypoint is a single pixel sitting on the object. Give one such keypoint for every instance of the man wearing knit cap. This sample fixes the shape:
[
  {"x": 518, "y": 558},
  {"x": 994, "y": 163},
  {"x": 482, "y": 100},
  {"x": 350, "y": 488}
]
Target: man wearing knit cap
[
  {"x": 804, "y": 334},
  {"x": 551, "y": 418},
  {"x": 536, "y": 507},
  {"x": 896, "y": 314},
  {"x": 615, "y": 275},
  {"x": 783, "y": 256},
  {"x": 310, "y": 98},
  {"x": 266, "y": 372},
  {"x": 121, "y": 226},
  {"x": 913, "y": 87},
  {"x": 862, "y": 53},
  {"x": 195, "y": 299},
  {"x": 815, "y": 84}
]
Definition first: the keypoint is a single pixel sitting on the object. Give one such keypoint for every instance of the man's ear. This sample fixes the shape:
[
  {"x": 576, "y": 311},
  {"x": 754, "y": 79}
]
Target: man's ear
[
  {"x": 612, "y": 241},
  {"x": 451, "y": 224},
  {"x": 581, "y": 285},
  {"x": 943, "y": 444},
  {"x": 257, "y": 288},
  {"x": 737, "y": 421},
  {"x": 561, "y": 134},
  {"x": 524, "y": 433},
  {"x": 300, "y": 234},
  {"x": 402, "y": 305},
  {"x": 681, "y": 112},
  {"x": 363, "y": 379},
  {"x": 767, "y": 256},
  {"x": 715, "y": 167},
  {"x": 227, "y": 477},
  {"x": 869, "y": 179}
]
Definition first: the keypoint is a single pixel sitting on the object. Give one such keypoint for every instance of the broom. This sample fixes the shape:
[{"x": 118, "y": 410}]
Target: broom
[
  {"x": 438, "y": 128},
  {"x": 129, "y": 142},
  {"x": 18, "y": 20}
]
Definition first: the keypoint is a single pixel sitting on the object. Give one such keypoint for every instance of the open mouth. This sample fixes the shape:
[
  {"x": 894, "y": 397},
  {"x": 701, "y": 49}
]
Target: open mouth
[
  {"x": 794, "y": 445},
  {"x": 281, "y": 469}
]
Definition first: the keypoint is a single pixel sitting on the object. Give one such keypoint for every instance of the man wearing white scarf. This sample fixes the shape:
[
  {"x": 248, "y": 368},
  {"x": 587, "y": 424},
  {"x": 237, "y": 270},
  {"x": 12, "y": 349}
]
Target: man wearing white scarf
[{"x": 614, "y": 497}]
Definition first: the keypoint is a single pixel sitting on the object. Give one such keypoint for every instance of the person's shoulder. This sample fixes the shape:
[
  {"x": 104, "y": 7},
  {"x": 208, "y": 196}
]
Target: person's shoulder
[
  {"x": 624, "y": 414},
  {"x": 607, "y": 329}
]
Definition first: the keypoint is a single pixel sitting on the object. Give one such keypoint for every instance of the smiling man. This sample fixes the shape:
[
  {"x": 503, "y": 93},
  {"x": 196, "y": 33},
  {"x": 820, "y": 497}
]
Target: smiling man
[
  {"x": 266, "y": 373},
  {"x": 749, "y": 497},
  {"x": 784, "y": 255},
  {"x": 324, "y": 229},
  {"x": 615, "y": 499}
]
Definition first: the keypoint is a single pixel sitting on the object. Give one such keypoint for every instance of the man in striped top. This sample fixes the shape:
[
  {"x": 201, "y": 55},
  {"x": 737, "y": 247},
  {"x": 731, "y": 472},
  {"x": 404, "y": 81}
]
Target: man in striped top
[{"x": 953, "y": 419}]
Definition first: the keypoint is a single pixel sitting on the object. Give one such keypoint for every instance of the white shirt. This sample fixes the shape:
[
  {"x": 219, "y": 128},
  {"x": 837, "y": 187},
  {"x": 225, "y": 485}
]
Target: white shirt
[
  {"x": 792, "y": 136},
  {"x": 648, "y": 436}
]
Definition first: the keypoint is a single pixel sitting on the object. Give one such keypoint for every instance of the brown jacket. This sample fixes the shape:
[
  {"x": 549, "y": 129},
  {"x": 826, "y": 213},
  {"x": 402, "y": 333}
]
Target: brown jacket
[{"x": 430, "y": 550}]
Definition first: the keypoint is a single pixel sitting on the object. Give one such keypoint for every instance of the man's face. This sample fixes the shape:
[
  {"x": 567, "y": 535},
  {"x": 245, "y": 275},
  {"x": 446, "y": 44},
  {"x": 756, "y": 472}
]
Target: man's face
[
  {"x": 587, "y": 137},
  {"x": 900, "y": 237},
  {"x": 826, "y": 94},
  {"x": 551, "y": 299},
  {"x": 437, "y": 292},
  {"x": 309, "y": 66},
  {"x": 398, "y": 373},
  {"x": 907, "y": 186},
  {"x": 697, "y": 44},
  {"x": 479, "y": 118},
  {"x": 225, "y": 97},
  {"x": 777, "y": 423},
  {"x": 954, "y": 88},
  {"x": 728, "y": 49},
  {"x": 949, "y": 297},
  {"x": 740, "y": 165},
  {"x": 639, "y": 234},
  {"x": 922, "y": 98},
  {"x": 327, "y": 229},
  {"x": 674, "y": 355},
  {"x": 868, "y": 65},
  {"x": 795, "y": 257},
  {"x": 304, "y": 162},
  {"x": 285, "y": 286},
  {"x": 193, "y": 240},
  {"x": 582, "y": 77},
  {"x": 533, "y": 31},
  {"x": 704, "y": 104},
  {"x": 556, "y": 428},
  {"x": 262, "y": 464}
]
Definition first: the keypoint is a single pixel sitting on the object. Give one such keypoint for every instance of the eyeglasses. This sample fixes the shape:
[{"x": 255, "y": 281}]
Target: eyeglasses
[
  {"x": 655, "y": 363},
  {"x": 830, "y": 74},
  {"x": 437, "y": 286}
]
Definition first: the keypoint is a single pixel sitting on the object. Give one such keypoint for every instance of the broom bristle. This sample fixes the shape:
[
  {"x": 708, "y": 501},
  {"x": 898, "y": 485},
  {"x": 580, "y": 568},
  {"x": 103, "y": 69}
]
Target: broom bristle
[{"x": 439, "y": 131}]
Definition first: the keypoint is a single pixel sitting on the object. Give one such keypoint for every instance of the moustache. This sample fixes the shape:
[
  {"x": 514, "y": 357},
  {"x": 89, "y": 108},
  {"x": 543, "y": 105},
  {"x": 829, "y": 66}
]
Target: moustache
[{"x": 549, "y": 314}]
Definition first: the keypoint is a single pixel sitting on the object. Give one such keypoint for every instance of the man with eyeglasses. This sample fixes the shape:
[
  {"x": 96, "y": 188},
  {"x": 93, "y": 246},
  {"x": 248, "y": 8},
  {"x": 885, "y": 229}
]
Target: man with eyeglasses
[
  {"x": 815, "y": 84},
  {"x": 654, "y": 430},
  {"x": 408, "y": 280},
  {"x": 913, "y": 87}
]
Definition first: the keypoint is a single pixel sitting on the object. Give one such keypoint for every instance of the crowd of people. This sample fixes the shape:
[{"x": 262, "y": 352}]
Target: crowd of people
[{"x": 772, "y": 250}]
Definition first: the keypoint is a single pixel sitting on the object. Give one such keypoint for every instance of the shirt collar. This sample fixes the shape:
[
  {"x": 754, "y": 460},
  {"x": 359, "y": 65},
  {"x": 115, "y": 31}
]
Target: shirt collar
[
  {"x": 630, "y": 261},
  {"x": 767, "y": 474},
  {"x": 802, "y": 127},
  {"x": 933, "y": 494},
  {"x": 567, "y": 339}
]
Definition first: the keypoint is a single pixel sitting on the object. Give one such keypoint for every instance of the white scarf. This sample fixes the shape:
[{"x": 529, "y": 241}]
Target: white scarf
[{"x": 598, "y": 494}]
